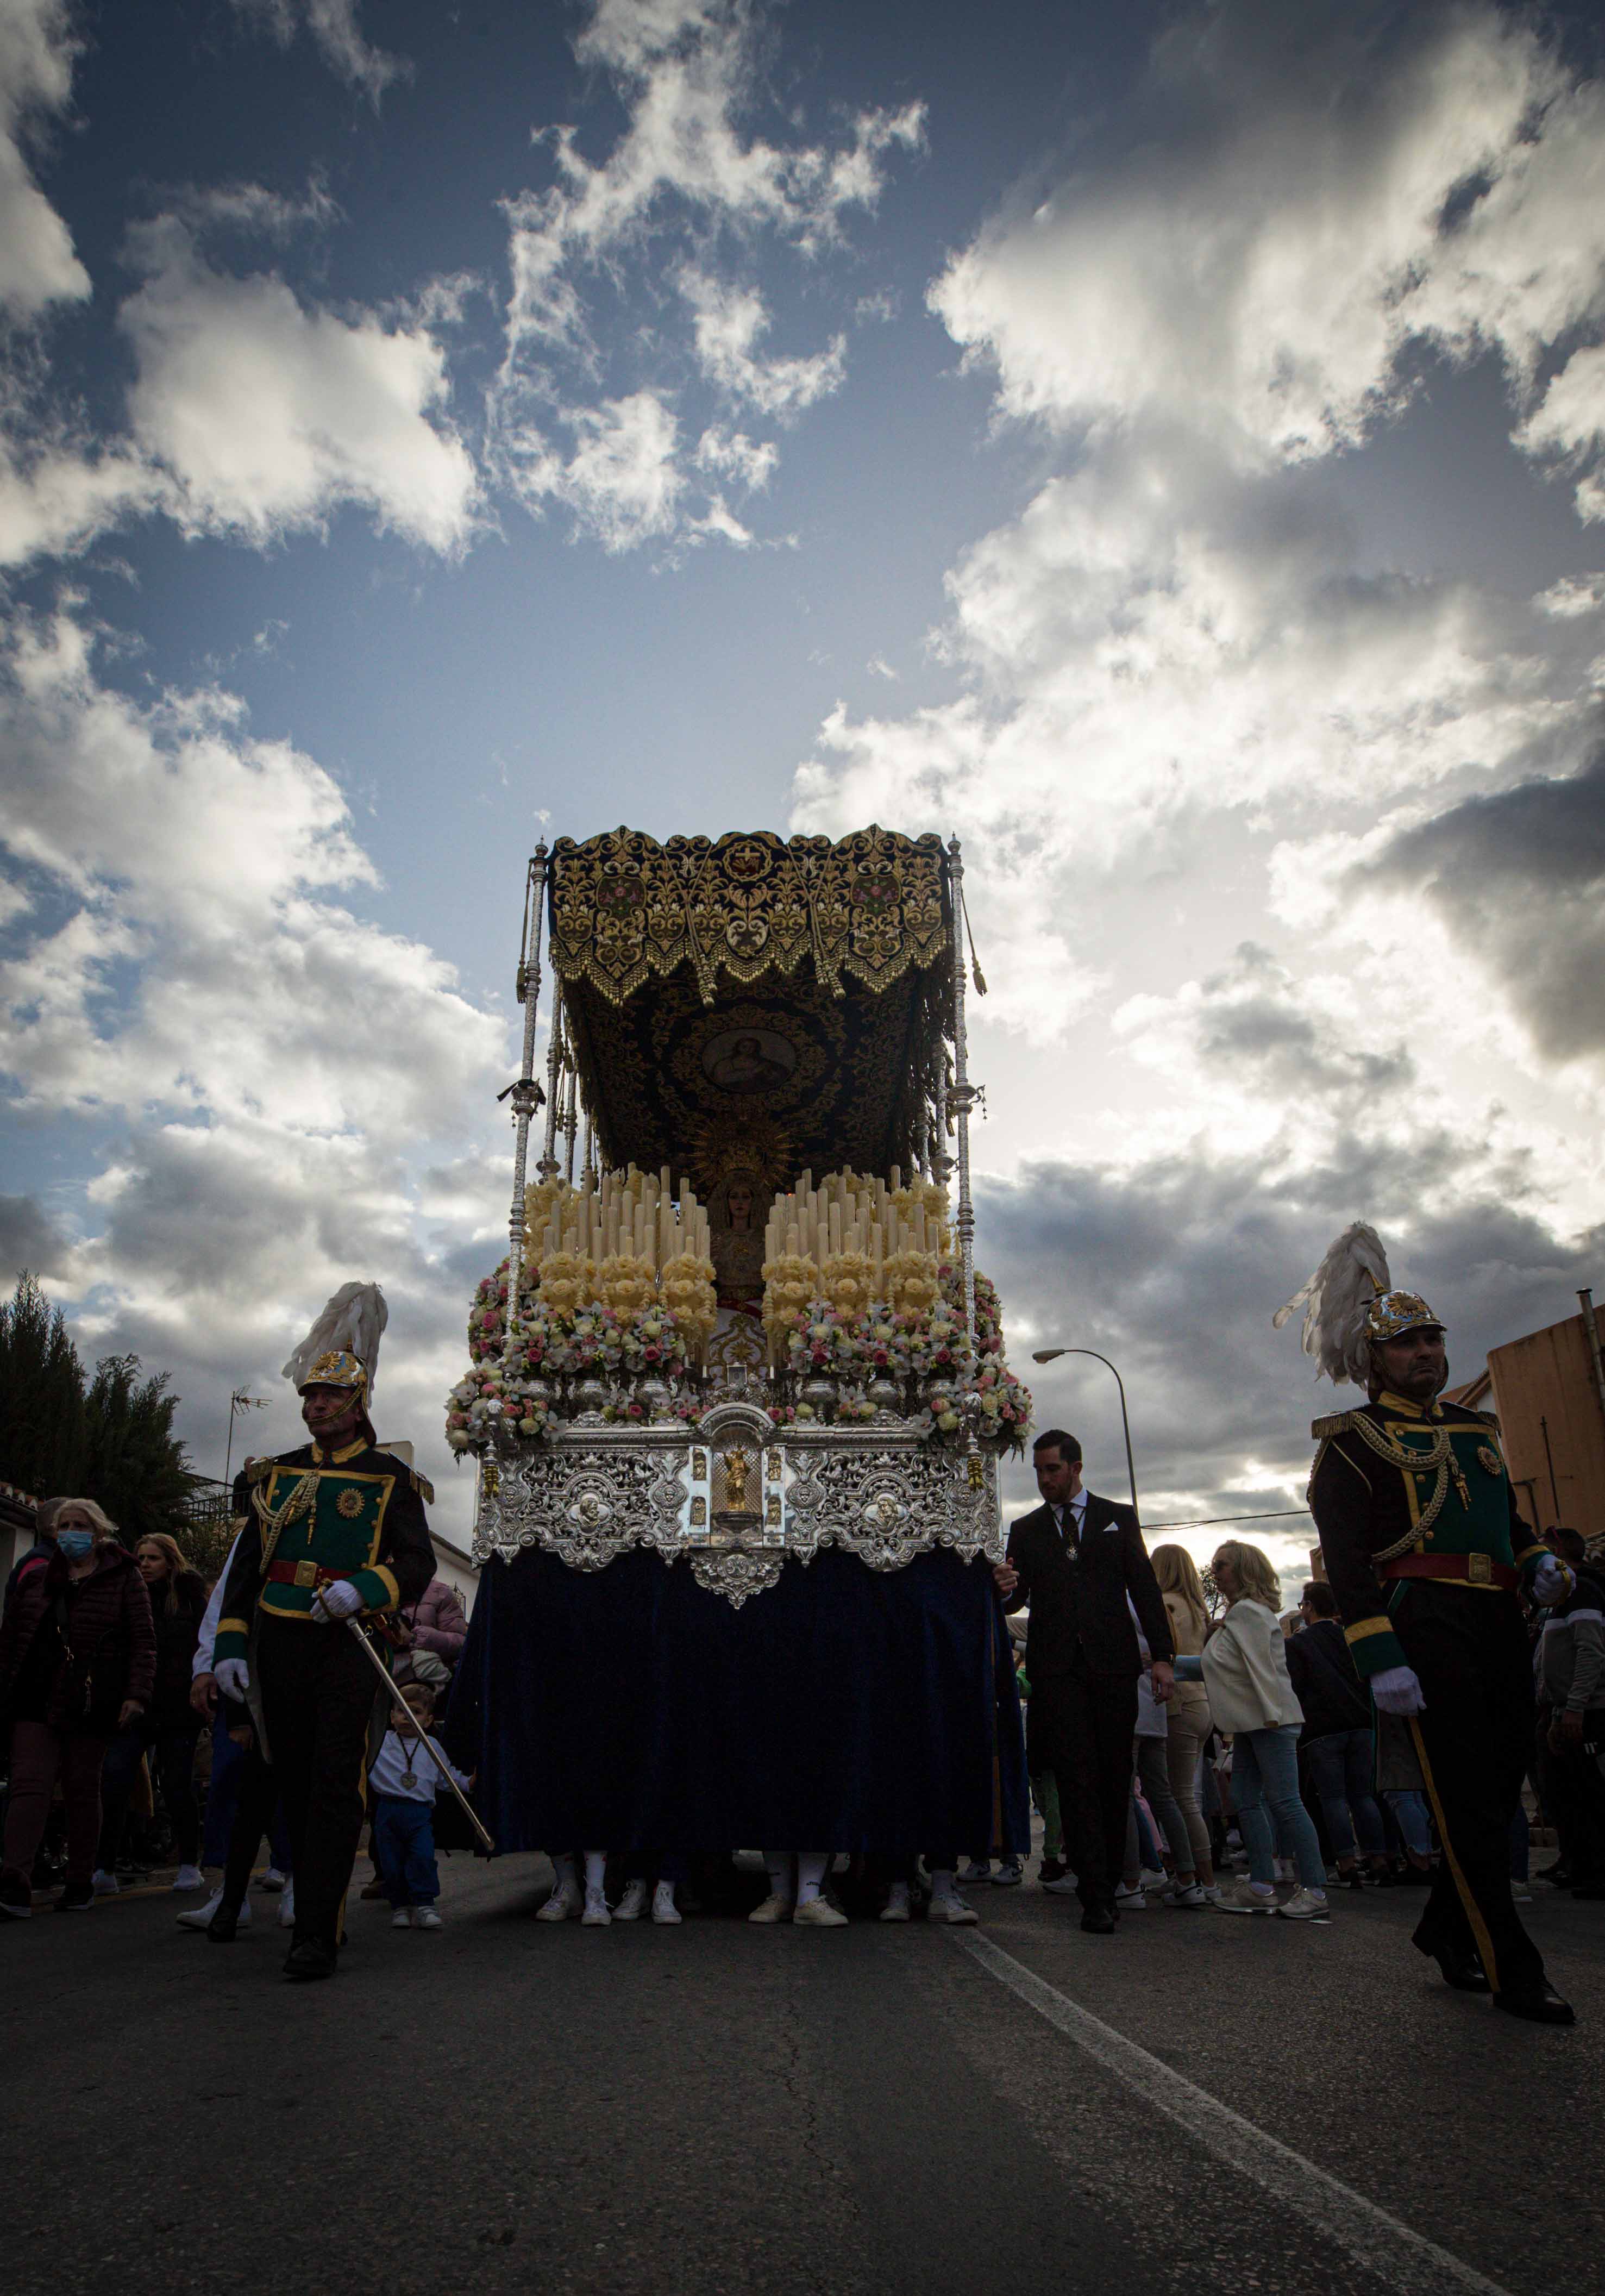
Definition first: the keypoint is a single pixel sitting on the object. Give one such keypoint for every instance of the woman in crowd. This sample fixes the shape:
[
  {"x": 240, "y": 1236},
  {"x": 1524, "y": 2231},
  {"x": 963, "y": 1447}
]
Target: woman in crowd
[
  {"x": 168, "y": 1729},
  {"x": 1187, "y": 1717},
  {"x": 1338, "y": 1745},
  {"x": 1245, "y": 1671},
  {"x": 77, "y": 1663}
]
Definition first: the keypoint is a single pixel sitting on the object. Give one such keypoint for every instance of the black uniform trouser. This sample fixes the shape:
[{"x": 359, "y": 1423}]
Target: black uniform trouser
[
  {"x": 317, "y": 1697},
  {"x": 1083, "y": 1728},
  {"x": 1469, "y": 1650}
]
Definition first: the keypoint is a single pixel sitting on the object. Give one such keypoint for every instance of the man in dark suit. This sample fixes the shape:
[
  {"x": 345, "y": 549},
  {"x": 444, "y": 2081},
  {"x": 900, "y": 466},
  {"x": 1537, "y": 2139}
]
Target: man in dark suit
[{"x": 1075, "y": 1560}]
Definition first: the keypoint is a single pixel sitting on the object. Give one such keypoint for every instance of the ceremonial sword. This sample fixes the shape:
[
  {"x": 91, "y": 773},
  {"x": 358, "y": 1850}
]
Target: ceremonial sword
[{"x": 394, "y": 1689}]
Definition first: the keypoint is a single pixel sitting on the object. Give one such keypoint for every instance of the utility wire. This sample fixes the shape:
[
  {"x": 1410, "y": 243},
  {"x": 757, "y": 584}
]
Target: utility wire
[{"x": 1206, "y": 1523}]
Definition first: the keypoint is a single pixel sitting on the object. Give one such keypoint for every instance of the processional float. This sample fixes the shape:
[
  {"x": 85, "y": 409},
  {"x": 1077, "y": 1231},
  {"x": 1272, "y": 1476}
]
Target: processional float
[{"x": 737, "y": 1394}]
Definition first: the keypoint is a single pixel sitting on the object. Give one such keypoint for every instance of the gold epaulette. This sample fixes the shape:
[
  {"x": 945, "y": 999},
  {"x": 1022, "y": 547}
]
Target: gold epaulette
[
  {"x": 422, "y": 1486},
  {"x": 1336, "y": 1422}
]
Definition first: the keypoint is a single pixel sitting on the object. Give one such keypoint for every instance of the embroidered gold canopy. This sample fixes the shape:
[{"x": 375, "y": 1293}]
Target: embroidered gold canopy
[
  {"x": 747, "y": 904},
  {"x": 789, "y": 995}
]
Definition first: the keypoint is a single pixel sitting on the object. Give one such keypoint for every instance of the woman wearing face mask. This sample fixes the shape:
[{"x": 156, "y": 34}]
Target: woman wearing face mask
[
  {"x": 78, "y": 1662},
  {"x": 168, "y": 1729}
]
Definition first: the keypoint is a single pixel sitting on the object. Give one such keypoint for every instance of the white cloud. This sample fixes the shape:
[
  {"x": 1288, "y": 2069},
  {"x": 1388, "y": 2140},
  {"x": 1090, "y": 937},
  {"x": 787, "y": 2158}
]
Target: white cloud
[
  {"x": 334, "y": 26},
  {"x": 732, "y": 455},
  {"x": 269, "y": 1068},
  {"x": 37, "y": 264},
  {"x": 729, "y": 322},
  {"x": 271, "y": 414},
  {"x": 1314, "y": 191},
  {"x": 684, "y": 171},
  {"x": 620, "y": 481}
]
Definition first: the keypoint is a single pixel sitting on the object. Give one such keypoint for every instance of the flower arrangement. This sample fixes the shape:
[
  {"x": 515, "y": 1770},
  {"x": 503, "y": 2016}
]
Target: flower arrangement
[
  {"x": 486, "y": 1399},
  {"x": 686, "y": 1285},
  {"x": 487, "y": 1318}
]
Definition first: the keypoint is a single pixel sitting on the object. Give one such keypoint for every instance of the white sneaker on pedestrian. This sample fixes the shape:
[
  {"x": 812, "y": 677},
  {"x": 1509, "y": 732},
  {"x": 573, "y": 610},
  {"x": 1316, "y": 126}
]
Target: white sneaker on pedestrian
[
  {"x": 1149, "y": 1880},
  {"x": 953, "y": 1910},
  {"x": 425, "y": 1917},
  {"x": 1008, "y": 1874},
  {"x": 562, "y": 1905},
  {"x": 633, "y": 1904},
  {"x": 197, "y": 1916},
  {"x": 1065, "y": 1887},
  {"x": 1305, "y": 1905},
  {"x": 1130, "y": 1900},
  {"x": 188, "y": 1877},
  {"x": 402, "y": 1918},
  {"x": 1243, "y": 1898},
  {"x": 273, "y": 1879},
  {"x": 596, "y": 1916},
  {"x": 818, "y": 1913},
  {"x": 1520, "y": 1894},
  {"x": 286, "y": 1907},
  {"x": 774, "y": 1909},
  {"x": 1192, "y": 1897},
  {"x": 103, "y": 1884},
  {"x": 664, "y": 1912},
  {"x": 896, "y": 1906},
  {"x": 979, "y": 1869}
]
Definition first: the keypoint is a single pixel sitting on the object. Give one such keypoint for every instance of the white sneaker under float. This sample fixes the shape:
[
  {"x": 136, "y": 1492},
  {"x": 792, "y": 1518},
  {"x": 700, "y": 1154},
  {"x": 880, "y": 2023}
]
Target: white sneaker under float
[
  {"x": 402, "y": 1918},
  {"x": 774, "y": 1909},
  {"x": 818, "y": 1913},
  {"x": 633, "y": 1904},
  {"x": 664, "y": 1912},
  {"x": 425, "y": 1917},
  {"x": 596, "y": 1916},
  {"x": 197, "y": 1916},
  {"x": 953, "y": 1910},
  {"x": 286, "y": 1907},
  {"x": 188, "y": 1877},
  {"x": 103, "y": 1884},
  {"x": 564, "y": 1903},
  {"x": 896, "y": 1906}
]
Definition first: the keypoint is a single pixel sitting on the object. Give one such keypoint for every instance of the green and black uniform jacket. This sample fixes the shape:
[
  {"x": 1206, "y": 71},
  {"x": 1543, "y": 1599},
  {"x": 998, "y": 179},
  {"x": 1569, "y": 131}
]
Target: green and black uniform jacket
[{"x": 1373, "y": 1506}]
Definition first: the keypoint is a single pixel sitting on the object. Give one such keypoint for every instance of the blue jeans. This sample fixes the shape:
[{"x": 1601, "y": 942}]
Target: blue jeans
[
  {"x": 1340, "y": 1767},
  {"x": 404, "y": 1846},
  {"x": 1409, "y": 1816},
  {"x": 1264, "y": 1784},
  {"x": 223, "y": 1800}
]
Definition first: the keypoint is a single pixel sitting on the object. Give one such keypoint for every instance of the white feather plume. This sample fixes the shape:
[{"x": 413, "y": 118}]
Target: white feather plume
[
  {"x": 1335, "y": 1301},
  {"x": 354, "y": 1320}
]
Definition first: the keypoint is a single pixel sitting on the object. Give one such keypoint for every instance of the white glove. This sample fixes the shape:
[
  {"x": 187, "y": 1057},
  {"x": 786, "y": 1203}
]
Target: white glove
[
  {"x": 1553, "y": 1580},
  {"x": 338, "y": 1600},
  {"x": 232, "y": 1675},
  {"x": 1397, "y": 1691}
]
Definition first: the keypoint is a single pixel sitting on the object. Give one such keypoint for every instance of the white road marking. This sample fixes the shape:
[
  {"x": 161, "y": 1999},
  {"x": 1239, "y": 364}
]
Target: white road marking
[{"x": 1403, "y": 2259}]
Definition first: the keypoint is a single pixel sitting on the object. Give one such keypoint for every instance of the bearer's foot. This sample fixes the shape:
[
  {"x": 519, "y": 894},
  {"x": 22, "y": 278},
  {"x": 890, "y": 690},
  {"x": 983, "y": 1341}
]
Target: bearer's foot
[
  {"x": 596, "y": 1916},
  {"x": 310, "y": 1957},
  {"x": 896, "y": 1906},
  {"x": 565, "y": 1901},
  {"x": 287, "y": 1907},
  {"x": 774, "y": 1909},
  {"x": 953, "y": 1910},
  {"x": 818, "y": 1913},
  {"x": 633, "y": 1904},
  {"x": 664, "y": 1912}
]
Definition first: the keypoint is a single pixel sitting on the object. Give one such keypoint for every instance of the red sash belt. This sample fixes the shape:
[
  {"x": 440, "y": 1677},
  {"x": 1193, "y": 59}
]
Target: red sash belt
[
  {"x": 303, "y": 1574},
  {"x": 1466, "y": 1569}
]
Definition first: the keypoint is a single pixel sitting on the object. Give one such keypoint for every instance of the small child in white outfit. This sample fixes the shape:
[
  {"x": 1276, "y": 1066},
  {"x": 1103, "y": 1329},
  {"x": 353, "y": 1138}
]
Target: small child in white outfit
[{"x": 402, "y": 1780}]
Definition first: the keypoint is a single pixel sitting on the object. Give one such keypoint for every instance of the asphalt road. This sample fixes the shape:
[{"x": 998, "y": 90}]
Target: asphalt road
[{"x": 508, "y": 2104}]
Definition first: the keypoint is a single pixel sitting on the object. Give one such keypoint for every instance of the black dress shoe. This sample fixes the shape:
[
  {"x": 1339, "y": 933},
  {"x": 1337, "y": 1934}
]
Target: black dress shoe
[
  {"x": 225, "y": 1925},
  {"x": 1462, "y": 1970},
  {"x": 1543, "y": 2005},
  {"x": 1099, "y": 1921},
  {"x": 310, "y": 1957}
]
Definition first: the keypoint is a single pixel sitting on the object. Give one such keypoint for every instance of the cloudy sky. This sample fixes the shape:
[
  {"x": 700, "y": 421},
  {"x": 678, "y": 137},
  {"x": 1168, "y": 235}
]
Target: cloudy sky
[{"x": 1164, "y": 445}]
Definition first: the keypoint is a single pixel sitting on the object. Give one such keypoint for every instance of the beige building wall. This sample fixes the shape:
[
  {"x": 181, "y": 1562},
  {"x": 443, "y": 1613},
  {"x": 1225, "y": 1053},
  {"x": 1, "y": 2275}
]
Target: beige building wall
[{"x": 1549, "y": 1414}]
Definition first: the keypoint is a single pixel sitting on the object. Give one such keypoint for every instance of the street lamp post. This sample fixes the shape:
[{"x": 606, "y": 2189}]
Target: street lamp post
[
  {"x": 239, "y": 1401},
  {"x": 1051, "y": 1355}
]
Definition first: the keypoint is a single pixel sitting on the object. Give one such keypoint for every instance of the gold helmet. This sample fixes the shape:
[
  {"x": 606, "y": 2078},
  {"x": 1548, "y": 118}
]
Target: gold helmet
[
  {"x": 1392, "y": 1313},
  {"x": 341, "y": 1350}
]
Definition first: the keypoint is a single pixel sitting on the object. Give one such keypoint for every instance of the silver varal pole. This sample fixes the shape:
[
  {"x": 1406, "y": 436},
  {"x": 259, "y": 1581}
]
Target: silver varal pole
[
  {"x": 526, "y": 1094},
  {"x": 963, "y": 1100},
  {"x": 548, "y": 1166}
]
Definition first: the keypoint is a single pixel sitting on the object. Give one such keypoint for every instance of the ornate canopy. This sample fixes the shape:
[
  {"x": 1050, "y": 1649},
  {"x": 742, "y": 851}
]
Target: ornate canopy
[{"x": 789, "y": 994}]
